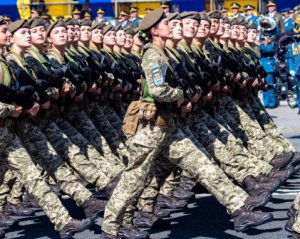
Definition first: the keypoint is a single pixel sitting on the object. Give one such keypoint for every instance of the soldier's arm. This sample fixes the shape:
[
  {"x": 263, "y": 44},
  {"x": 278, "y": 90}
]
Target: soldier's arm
[{"x": 155, "y": 72}]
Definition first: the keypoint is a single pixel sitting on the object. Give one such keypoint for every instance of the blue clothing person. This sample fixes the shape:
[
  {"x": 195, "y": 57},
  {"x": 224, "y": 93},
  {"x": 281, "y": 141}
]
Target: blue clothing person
[
  {"x": 292, "y": 57},
  {"x": 268, "y": 54},
  {"x": 289, "y": 25},
  {"x": 253, "y": 19}
]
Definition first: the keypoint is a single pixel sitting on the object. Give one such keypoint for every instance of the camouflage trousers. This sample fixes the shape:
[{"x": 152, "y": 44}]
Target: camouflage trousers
[
  {"x": 106, "y": 169},
  {"x": 75, "y": 156},
  {"x": 233, "y": 160},
  {"x": 85, "y": 126},
  {"x": 45, "y": 155},
  {"x": 257, "y": 141},
  {"x": 166, "y": 176},
  {"x": 249, "y": 163},
  {"x": 16, "y": 162},
  {"x": 164, "y": 180},
  {"x": 107, "y": 130},
  {"x": 171, "y": 144},
  {"x": 267, "y": 123},
  {"x": 114, "y": 119}
]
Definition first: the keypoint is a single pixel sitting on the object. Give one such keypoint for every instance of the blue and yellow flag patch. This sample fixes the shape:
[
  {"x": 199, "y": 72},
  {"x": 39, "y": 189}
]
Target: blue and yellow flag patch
[{"x": 157, "y": 76}]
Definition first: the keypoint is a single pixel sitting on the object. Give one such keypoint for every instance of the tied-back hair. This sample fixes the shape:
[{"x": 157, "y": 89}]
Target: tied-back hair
[{"x": 145, "y": 37}]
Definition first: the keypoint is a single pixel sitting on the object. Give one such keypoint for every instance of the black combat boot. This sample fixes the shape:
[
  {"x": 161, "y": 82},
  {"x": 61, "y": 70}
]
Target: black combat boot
[
  {"x": 296, "y": 159},
  {"x": 170, "y": 202},
  {"x": 93, "y": 207},
  {"x": 160, "y": 212},
  {"x": 28, "y": 201},
  {"x": 292, "y": 211},
  {"x": 244, "y": 219},
  {"x": 265, "y": 179},
  {"x": 282, "y": 160},
  {"x": 289, "y": 224},
  {"x": 253, "y": 202},
  {"x": 75, "y": 226},
  {"x": 180, "y": 193},
  {"x": 130, "y": 232},
  {"x": 2, "y": 233},
  {"x": 6, "y": 221},
  {"x": 253, "y": 188},
  {"x": 150, "y": 220},
  {"x": 283, "y": 175},
  {"x": 105, "y": 235},
  {"x": 295, "y": 235},
  {"x": 187, "y": 183},
  {"x": 18, "y": 210},
  {"x": 109, "y": 188}
]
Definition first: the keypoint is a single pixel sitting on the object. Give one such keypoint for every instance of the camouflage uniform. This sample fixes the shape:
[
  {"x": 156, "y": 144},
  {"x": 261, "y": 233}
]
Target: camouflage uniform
[
  {"x": 41, "y": 150},
  {"x": 267, "y": 123},
  {"x": 152, "y": 142},
  {"x": 17, "y": 162},
  {"x": 256, "y": 138}
]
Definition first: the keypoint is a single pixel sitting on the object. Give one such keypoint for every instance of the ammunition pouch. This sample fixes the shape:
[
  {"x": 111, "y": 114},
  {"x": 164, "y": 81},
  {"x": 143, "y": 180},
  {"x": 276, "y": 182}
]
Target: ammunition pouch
[{"x": 140, "y": 112}]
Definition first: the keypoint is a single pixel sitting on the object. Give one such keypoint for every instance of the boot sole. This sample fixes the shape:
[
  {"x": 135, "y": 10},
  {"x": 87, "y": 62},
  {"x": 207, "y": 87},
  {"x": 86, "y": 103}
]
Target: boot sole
[
  {"x": 246, "y": 227},
  {"x": 71, "y": 233}
]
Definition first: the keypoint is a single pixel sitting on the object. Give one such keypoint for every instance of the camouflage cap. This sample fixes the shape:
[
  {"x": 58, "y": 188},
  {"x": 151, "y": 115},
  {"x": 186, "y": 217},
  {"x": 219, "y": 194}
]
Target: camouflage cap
[
  {"x": 96, "y": 25},
  {"x": 131, "y": 31},
  {"x": 85, "y": 22},
  {"x": 252, "y": 25},
  {"x": 69, "y": 21},
  {"x": 204, "y": 17},
  {"x": 174, "y": 16},
  {"x": 36, "y": 22},
  {"x": 241, "y": 21},
  {"x": 55, "y": 24},
  {"x": 152, "y": 19},
  {"x": 119, "y": 27},
  {"x": 108, "y": 28},
  {"x": 215, "y": 14},
  {"x": 226, "y": 20},
  {"x": 191, "y": 15},
  {"x": 16, "y": 25}
]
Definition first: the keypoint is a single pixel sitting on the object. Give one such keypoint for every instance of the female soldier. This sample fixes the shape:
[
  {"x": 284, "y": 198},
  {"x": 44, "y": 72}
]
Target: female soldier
[
  {"x": 35, "y": 141},
  {"x": 152, "y": 123}
]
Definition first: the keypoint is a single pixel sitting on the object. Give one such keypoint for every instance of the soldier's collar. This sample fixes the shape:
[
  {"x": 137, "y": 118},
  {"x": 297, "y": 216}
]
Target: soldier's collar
[
  {"x": 17, "y": 58},
  {"x": 35, "y": 53},
  {"x": 54, "y": 53}
]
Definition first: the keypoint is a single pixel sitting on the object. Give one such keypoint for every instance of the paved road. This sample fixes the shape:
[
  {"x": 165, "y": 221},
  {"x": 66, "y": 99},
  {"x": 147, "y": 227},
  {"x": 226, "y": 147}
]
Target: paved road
[{"x": 204, "y": 218}]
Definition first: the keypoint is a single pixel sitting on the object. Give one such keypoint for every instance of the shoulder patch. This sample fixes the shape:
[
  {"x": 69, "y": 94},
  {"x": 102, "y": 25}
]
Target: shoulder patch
[{"x": 157, "y": 76}]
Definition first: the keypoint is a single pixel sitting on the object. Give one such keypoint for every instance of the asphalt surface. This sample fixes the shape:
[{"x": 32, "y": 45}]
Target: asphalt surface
[{"x": 203, "y": 218}]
